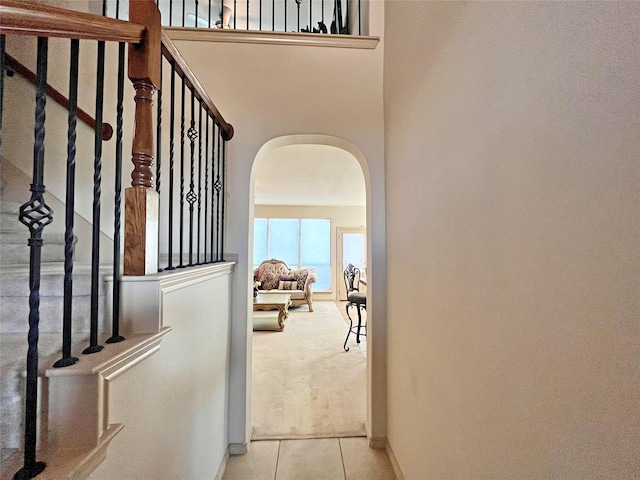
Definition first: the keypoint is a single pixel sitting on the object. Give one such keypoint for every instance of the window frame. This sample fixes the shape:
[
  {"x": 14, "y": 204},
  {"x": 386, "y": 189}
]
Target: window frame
[{"x": 298, "y": 265}]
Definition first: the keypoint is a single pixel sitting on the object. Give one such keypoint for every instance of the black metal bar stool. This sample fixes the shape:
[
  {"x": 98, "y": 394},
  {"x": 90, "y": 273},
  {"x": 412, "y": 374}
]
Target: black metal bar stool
[{"x": 357, "y": 299}]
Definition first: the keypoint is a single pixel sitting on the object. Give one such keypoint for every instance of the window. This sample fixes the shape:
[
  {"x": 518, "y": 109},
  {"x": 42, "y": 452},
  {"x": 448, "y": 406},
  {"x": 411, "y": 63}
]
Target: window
[{"x": 300, "y": 243}]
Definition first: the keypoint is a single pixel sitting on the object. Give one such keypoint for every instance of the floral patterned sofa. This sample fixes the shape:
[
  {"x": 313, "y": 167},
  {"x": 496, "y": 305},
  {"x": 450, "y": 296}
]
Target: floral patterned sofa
[{"x": 276, "y": 277}]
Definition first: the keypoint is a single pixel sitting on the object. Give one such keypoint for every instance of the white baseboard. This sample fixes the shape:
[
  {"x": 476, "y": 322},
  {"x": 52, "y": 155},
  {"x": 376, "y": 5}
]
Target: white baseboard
[
  {"x": 383, "y": 443},
  {"x": 238, "y": 448},
  {"x": 394, "y": 462},
  {"x": 223, "y": 465}
]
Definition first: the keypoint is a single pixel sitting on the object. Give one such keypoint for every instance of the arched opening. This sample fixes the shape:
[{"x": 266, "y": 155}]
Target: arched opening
[{"x": 311, "y": 176}]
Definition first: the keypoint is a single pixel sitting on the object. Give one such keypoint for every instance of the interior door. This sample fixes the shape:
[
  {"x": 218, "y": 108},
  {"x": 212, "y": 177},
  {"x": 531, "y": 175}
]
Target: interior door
[{"x": 351, "y": 249}]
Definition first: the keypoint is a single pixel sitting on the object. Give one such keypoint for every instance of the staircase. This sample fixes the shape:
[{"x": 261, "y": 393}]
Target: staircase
[{"x": 14, "y": 314}]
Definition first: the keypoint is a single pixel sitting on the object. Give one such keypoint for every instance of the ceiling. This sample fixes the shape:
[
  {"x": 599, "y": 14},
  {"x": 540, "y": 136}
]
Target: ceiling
[{"x": 309, "y": 175}]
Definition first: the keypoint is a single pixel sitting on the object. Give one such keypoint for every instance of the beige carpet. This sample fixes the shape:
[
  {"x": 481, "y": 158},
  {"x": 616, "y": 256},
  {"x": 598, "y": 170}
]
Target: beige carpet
[{"x": 304, "y": 383}]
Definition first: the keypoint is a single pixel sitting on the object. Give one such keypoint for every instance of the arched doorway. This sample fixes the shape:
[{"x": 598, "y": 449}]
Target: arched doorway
[{"x": 342, "y": 159}]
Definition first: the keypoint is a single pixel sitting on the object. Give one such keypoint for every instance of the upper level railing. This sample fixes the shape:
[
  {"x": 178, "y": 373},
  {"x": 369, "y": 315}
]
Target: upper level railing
[
  {"x": 345, "y": 17},
  {"x": 200, "y": 203}
]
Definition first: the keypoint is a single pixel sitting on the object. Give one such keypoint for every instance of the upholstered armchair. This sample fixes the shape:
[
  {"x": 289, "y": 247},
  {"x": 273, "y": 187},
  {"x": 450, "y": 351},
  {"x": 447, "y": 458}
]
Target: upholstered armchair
[{"x": 276, "y": 277}]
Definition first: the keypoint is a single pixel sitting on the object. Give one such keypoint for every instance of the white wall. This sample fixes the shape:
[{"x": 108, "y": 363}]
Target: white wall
[
  {"x": 512, "y": 145},
  {"x": 269, "y": 91},
  {"x": 18, "y": 135},
  {"x": 173, "y": 404},
  {"x": 354, "y": 217}
]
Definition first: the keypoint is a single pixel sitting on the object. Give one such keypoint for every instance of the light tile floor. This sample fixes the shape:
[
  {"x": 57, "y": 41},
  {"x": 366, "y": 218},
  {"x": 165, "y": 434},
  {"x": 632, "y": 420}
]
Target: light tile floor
[{"x": 311, "y": 459}]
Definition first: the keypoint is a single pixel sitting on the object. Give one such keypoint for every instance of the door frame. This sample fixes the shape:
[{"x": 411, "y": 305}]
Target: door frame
[{"x": 341, "y": 292}]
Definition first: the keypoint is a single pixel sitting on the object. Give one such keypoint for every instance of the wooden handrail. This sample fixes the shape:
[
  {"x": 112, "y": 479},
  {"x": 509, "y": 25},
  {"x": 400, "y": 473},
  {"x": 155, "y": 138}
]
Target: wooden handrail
[
  {"x": 172, "y": 54},
  {"x": 55, "y": 95},
  {"x": 28, "y": 18}
]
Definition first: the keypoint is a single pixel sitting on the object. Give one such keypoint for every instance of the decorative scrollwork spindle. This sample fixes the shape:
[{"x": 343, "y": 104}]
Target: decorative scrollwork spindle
[{"x": 36, "y": 215}]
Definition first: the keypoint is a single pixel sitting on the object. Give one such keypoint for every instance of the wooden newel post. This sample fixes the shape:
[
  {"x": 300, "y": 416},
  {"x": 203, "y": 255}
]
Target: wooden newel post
[{"x": 141, "y": 199}]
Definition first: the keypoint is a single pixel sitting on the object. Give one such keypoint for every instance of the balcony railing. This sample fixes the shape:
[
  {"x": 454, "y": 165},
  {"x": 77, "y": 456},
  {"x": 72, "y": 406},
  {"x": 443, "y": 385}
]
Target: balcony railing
[{"x": 345, "y": 17}]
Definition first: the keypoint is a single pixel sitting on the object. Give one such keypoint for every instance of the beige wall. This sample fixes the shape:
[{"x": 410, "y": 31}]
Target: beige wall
[
  {"x": 173, "y": 404},
  {"x": 273, "y": 91},
  {"x": 18, "y": 134},
  {"x": 512, "y": 145},
  {"x": 339, "y": 217}
]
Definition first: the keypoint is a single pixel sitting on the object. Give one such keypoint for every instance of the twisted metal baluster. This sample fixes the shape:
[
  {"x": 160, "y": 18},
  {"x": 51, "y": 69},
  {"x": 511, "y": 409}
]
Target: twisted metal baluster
[
  {"x": 199, "y": 195},
  {"x": 206, "y": 187},
  {"x": 191, "y": 194},
  {"x": 159, "y": 151},
  {"x": 97, "y": 179},
  {"x": 67, "y": 359},
  {"x": 223, "y": 183},
  {"x": 213, "y": 186},
  {"x": 218, "y": 187},
  {"x": 182, "y": 125},
  {"x": 36, "y": 215},
  {"x": 115, "y": 321},
  {"x": 172, "y": 104}
]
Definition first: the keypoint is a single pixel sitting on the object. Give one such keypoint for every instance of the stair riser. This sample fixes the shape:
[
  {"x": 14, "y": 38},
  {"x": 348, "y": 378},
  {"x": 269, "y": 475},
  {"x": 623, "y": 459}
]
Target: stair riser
[
  {"x": 19, "y": 254},
  {"x": 14, "y": 312},
  {"x": 13, "y": 353},
  {"x": 9, "y": 222},
  {"x": 51, "y": 284}
]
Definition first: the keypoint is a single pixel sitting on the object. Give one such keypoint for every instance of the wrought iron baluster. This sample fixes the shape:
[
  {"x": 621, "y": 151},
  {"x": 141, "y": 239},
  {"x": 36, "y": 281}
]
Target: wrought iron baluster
[
  {"x": 199, "y": 195},
  {"x": 184, "y": 11},
  {"x": 310, "y": 15},
  {"x": 209, "y": 13},
  {"x": 273, "y": 15},
  {"x": 206, "y": 188},
  {"x": 191, "y": 195},
  {"x": 67, "y": 359},
  {"x": 117, "y": 209},
  {"x": 36, "y": 215},
  {"x": 285, "y": 16},
  {"x": 213, "y": 187},
  {"x": 260, "y": 16},
  {"x": 195, "y": 18},
  {"x": 298, "y": 2},
  {"x": 172, "y": 104},
  {"x": 97, "y": 179},
  {"x": 170, "y": 13},
  {"x": 218, "y": 187},
  {"x": 159, "y": 152},
  {"x": 234, "y": 13},
  {"x": 359, "y": 17},
  {"x": 182, "y": 133},
  {"x": 248, "y": 1},
  {"x": 222, "y": 186}
]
